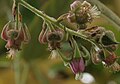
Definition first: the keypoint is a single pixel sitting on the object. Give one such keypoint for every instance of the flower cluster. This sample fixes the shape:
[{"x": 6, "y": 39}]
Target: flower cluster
[
  {"x": 15, "y": 33},
  {"x": 51, "y": 36},
  {"x": 14, "y": 37},
  {"x": 96, "y": 44},
  {"x": 82, "y": 13},
  {"x": 103, "y": 41}
]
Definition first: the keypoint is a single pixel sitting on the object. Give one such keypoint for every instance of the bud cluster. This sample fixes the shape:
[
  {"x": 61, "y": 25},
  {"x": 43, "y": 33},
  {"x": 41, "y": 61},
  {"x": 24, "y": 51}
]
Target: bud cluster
[
  {"x": 15, "y": 33},
  {"x": 104, "y": 42}
]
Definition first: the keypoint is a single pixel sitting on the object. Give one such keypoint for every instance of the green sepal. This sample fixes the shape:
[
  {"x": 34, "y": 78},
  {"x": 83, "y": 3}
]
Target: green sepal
[
  {"x": 66, "y": 36},
  {"x": 77, "y": 53},
  {"x": 108, "y": 38}
]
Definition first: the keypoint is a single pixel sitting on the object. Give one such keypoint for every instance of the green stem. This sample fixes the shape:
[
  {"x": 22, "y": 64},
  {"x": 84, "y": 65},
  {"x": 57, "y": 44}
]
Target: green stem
[
  {"x": 17, "y": 69},
  {"x": 17, "y": 17},
  {"x": 25, "y": 74},
  {"x": 53, "y": 21},
  {"x": 46, "y": 17}
]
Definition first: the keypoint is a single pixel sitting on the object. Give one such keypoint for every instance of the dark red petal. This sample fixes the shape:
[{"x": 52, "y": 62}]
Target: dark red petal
[
  {"x": 4, "y": 32},
  {"x": 10, "y": 44}
]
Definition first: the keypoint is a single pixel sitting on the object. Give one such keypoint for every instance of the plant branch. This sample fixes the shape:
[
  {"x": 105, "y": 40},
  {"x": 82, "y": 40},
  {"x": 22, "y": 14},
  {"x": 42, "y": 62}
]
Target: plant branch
[{"x": 53, "y": 21}]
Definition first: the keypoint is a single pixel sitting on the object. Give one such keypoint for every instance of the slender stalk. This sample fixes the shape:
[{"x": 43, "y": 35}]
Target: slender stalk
[
  {"x": 24, "y": 74},
  {"x": 17, "y": 69},
  {"x": 53, "y": 21},
  {"x": 17, "y": 16}
]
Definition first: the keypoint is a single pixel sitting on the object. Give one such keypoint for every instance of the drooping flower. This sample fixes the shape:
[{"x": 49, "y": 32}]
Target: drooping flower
[
  {"x": 14, "y": 37},
  {"x": 82, "y": 13},
  {"x": 77, "y": 66},
  {"x": 54, "y": 39}
]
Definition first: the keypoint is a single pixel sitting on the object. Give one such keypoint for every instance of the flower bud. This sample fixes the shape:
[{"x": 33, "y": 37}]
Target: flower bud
[{"x": 77, "y": 65}]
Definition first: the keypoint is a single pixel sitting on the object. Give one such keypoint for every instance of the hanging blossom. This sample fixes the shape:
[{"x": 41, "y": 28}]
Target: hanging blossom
[
  {"x": 53, "y": 38},
  {"x": 14, "y": 37},
  {"x": 77, "y": 65},
  {"x": 82, "y": 13}
]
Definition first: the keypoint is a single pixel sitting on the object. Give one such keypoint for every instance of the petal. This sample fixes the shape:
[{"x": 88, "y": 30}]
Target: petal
[
  {"x": 10, "y": 43},
  {"x": 74, "y": 66},
  {"x": 4, "y": 32}
]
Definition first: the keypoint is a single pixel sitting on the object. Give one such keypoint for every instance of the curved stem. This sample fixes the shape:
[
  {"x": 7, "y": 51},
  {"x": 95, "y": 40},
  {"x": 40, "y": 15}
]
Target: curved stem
[{"x": 53, "y": 21}]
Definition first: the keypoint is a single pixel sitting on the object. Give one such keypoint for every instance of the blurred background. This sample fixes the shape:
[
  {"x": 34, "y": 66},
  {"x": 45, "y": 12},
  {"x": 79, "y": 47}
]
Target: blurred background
[{"x": 35, "y": 65}]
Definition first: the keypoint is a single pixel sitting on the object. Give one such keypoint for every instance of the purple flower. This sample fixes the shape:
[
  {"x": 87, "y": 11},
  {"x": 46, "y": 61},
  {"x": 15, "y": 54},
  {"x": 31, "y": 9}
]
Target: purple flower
[{"x": 77, "y": 65}]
